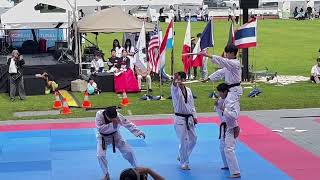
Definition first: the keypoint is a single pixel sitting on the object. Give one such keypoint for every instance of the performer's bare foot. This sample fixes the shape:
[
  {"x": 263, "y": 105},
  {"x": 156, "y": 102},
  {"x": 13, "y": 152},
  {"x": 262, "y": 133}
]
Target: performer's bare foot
[
  {"x": 106, "y": 177},
  {"x": 235, "y": 176},
  {"x": 185, "y": 167},
  {"x": 224, "y": 168}
]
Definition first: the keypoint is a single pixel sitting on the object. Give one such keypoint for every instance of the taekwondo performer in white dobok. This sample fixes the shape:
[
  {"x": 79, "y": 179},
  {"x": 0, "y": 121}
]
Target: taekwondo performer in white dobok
[
  {"x": 185, "y": 118},
  {"x": 229, "y": 131},
  {"x": 230, "y": 71},
  {"x": 108, "y": 122}
]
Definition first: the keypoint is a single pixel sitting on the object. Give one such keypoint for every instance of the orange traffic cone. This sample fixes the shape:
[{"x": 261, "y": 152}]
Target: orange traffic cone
[
  {"x": 57, "y": 102},
  {"x": 125, "y": 100},
  {"x": 86, "y": 103},
  {"x": 65, "y": 108}
]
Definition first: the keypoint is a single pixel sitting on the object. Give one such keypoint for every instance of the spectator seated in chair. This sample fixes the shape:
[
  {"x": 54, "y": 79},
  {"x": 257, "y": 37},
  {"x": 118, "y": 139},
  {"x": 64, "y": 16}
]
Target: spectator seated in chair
[
  {"x": 144, "y": 74},
  {"x": 51, "y": 85},
  {"x": 124, "y": 79},
  {"x": 97, "y": 64},
  {"x": 113, "y": 60},
  {"x": 315, "y": 72}
]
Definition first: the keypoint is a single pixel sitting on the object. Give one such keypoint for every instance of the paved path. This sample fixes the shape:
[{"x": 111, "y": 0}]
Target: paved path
[{"x": 272, "y": 119}]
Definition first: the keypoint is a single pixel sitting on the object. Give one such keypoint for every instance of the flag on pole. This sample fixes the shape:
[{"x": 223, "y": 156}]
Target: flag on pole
[
  {"x": 140, "y": 50},
  {"x": 205, "y": 41},
  {"x": 153, "y": 51},
  {"x": 163, "y": 45},
  {"x": 207, "y": 37},
  {"x": 186, "y": 48},
  {"x": 231, "y": 37},
  {"x": 246, "y": 35},
  {"x": 170, "y": 36}
]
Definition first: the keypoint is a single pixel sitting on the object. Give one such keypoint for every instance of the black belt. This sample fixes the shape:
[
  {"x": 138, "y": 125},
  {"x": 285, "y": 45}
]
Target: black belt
[
  {"x": 113, "y": 141},
  {"x": 224, "y": 126},
  {"x": 234, "y": 85},
  {"x": 186, "y": 117}
]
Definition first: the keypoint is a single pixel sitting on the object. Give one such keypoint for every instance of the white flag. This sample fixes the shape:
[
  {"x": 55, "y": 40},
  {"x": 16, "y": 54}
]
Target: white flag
[
  {"x": 140, "y": 51},
  {"x": 196, "y": 49}
]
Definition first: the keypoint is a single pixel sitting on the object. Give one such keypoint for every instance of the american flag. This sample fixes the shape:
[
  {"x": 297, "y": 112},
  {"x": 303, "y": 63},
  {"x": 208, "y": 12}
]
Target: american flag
[{"x": 153, "y": 51}]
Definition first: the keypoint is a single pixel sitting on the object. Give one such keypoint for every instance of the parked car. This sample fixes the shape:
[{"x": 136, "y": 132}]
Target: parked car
[
  {"x": 232, "y": 3},
  {"x": 214, "y": 3}
]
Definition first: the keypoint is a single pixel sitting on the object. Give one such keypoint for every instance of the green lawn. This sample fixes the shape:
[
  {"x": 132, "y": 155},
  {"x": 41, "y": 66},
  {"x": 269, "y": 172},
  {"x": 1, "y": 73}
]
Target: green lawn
[{"x": 285, "y": 46}]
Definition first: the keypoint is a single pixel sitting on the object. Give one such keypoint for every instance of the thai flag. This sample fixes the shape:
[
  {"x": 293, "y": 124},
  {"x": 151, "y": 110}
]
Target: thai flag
[{"x": 246, "y": 35}]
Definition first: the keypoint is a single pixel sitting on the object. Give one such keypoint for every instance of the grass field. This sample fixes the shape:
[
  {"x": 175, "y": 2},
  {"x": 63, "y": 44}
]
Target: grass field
[{"x": 285, "y": 46}]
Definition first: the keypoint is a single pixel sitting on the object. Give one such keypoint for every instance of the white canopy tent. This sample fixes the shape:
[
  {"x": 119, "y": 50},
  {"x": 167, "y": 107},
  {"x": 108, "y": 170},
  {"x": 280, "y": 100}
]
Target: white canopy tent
[
  {"x": 6, "y": 4},
  {"x": 24, "y": 16},
  {"x": 148, "y": 2}
]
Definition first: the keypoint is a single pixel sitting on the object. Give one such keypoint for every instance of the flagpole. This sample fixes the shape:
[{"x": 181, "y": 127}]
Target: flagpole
[
  {"x": 190, "y": 50},
  {"x": 213, "y": 91},
  {"x": 160, "y": 71},
  {"x": 172, "y": 49}
]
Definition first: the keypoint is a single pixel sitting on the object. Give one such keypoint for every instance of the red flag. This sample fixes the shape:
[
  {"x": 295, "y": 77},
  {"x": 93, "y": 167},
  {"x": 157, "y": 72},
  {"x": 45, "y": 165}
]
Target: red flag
[{"x": 186, "y": 49}]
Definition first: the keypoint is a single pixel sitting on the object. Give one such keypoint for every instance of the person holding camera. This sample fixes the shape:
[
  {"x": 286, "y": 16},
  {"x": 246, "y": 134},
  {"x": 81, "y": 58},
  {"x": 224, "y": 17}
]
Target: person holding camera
[
  {"x": 15, "y": 64},
  {"x": 139, "y": 173}
]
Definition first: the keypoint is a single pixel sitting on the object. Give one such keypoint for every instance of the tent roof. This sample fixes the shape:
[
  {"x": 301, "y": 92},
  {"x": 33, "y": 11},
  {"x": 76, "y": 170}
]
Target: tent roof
[
  {"x": 112, "y": 20},
  {"x": 24, "y": 15},
  {"x": 149, "y": 2},
  {"x": 5, "y": 4}
]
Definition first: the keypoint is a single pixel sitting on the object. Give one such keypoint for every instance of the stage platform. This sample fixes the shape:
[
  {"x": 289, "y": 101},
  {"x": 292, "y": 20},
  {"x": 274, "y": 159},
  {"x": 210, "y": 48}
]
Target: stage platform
[
  {"x": 62, "y": 73},
  {"x": 59, "y": 151},
  {"x": 34, "y": 59}
]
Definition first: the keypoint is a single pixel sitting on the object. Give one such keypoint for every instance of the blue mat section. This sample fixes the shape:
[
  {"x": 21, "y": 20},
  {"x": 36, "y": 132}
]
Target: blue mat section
[{"x": 71, "y": 154}]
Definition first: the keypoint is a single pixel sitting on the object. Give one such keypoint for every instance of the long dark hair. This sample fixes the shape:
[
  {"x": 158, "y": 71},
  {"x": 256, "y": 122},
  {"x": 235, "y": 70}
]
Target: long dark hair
[
  {"x": 126, "y": 46},
  {"x": 114, "y": 46}
]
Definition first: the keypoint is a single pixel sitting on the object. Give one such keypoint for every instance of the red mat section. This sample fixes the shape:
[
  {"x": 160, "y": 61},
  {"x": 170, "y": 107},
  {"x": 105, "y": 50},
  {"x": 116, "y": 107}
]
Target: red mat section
[
  {"x": 285, "y": 155},
  {"x": 318, "y": 120}
]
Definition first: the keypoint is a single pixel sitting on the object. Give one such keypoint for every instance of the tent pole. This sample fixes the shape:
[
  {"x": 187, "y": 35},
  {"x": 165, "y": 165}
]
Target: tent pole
[
  {"x": 74, "y": 9},
  {"x": 68, "y": 29}
]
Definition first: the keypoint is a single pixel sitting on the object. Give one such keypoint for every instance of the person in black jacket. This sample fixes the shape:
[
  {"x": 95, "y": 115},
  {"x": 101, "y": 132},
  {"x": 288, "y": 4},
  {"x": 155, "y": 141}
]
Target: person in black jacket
[
  {"x": 15, "y": 64},
  {"x": 124, "y": 60},
  {"x": 113, "y": 60}
]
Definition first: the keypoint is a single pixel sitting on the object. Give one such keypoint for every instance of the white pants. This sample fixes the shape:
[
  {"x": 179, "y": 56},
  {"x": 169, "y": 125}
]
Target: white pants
[
  {"x": 188, "y": 138},
  {"x": 204, "y": 68},
  {"x": 121, "y": 145},
  {"x": 234, "y": 94},
  {"x": 148, "y": 81},
  {"x": 227, "y": 149}
]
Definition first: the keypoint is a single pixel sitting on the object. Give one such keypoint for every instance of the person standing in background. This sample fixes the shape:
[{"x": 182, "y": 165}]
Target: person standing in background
[
  {"x": 116, "y": 46},
  {"x": 237, "y": 14},
  {"x": 15, "y": 64},
  {"x": 130, "y": 50}
]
